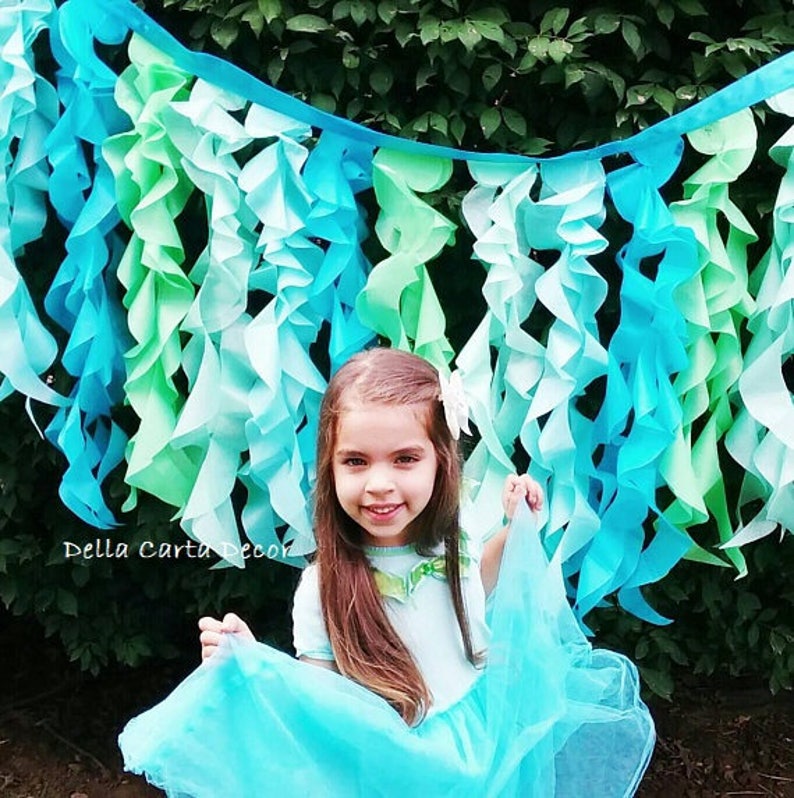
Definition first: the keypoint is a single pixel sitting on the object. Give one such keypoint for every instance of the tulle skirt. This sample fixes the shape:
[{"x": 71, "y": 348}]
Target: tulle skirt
[{"x": 550, "y": 717}]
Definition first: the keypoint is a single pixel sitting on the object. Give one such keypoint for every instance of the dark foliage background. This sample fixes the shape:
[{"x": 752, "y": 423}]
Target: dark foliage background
[{"x": 536, "y": 78}]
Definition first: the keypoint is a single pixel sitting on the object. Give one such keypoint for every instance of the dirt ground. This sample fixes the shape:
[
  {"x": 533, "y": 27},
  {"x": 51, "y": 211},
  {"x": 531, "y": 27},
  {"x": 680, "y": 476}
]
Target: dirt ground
[{"x": 58, "y": 730}]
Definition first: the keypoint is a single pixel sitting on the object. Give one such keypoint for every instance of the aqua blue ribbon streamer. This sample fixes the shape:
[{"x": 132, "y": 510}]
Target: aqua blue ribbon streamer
[
  {"x": 82, "y": 298},
  {"x": 337, "y": 170},
  {"x": 641, "y": 412}
]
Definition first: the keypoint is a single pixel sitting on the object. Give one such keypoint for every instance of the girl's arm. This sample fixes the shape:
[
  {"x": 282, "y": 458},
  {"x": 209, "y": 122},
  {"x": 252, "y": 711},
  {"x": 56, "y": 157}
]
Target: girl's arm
[
  {"x": 328, "y": 664},
  {"x": 516, "y": 489}
]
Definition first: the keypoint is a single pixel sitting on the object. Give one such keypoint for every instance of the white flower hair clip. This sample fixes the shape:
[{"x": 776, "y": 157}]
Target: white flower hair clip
[{"x": 456, "y": 408}]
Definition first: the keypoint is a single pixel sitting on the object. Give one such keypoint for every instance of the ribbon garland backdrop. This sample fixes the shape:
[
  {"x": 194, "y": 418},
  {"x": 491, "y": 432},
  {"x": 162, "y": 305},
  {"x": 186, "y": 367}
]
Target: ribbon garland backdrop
[{"x": 119, "y": 157}]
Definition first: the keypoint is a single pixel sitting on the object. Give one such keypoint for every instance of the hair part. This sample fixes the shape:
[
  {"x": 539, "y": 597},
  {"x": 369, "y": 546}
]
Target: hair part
[{"x": 366, "y": 647}]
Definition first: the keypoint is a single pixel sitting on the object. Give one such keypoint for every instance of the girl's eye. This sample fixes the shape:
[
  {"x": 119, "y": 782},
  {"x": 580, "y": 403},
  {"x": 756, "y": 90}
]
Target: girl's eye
[
  {"x": 353, "y": 461},
  {"x": 407, "y": 458}
]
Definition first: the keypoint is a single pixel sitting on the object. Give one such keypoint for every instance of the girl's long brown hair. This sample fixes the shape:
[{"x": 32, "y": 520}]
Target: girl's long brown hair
[{"x": 366, "y": 647}]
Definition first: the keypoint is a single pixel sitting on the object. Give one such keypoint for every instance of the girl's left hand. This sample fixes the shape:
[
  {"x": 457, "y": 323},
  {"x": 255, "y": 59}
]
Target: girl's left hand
[{"x": 518, "y": 488}]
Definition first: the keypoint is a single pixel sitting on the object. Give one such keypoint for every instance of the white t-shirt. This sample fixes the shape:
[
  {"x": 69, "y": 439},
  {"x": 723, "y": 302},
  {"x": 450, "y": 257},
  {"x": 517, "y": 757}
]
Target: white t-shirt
[{"x": 423, "y": 616}]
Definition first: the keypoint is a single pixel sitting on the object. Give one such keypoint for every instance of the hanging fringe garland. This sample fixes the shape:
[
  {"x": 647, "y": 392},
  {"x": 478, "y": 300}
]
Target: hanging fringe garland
[{"x": 214, "y": 353}]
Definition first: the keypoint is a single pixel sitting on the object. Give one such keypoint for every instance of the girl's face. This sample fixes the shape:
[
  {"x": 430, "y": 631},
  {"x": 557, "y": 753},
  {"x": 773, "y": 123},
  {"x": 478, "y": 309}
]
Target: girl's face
[{"x": 384, "y": 467}]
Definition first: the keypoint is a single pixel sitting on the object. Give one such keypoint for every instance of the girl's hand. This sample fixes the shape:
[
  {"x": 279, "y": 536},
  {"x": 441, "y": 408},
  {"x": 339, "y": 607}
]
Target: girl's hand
[
  {"x": 518, "y": 488},
  {"x": 212, "y": 629}
]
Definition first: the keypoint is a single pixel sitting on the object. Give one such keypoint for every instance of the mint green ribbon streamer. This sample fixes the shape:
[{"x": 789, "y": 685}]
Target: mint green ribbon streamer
[
  {"x": 715, "y": 302},
  {"x": 399, "y": 301},
  {"x": 211, "y": 424},
  {"x": 28, "y": 109},
  {"x": 762, "y": 437},
  {"x": 152, "y": 189}
]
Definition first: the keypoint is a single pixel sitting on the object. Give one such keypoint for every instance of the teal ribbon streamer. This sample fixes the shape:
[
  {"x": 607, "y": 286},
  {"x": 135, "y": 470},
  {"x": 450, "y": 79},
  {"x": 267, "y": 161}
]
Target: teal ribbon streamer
[{"x": 83, "y": 299}]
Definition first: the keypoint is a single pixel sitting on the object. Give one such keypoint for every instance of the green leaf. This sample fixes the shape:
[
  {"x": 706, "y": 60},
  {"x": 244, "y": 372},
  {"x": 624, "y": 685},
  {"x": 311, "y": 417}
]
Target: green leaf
[
  {"x": 403, "y": 32},
  {"x": 693, "y": 8},
  {"x": 514, "y": 121},
  {"x": 573, "y": 75},
  {"x": 424, "y": 75},
  {"x": 350, "y": 57},
  {"x": 631, "y": 35},
  {"x": 686, "y": 93},
  {"x": 527, "y": 62},
  {"x": 554, "y": 20},
  {"x": 439, "y": 123},
  {"x": 66, "y": 601},
  {"x": 606, "y": 23},
  {"x": 639, "y": 95},
  {"x": 491, "y": 14},
  {"x": 307, "y": 23},
  {"x": 660, "y": 682},
  {"x": 224, "y": 32},
  {"x": 8, "y": 590},
  {"x": 449, "y": 30},
  {"x": 325, "y": 102},
  {"x": 701, "y": 37},
  {"x": 469, "y": 36},
  {"x": 777, "y": 642},
  {"x": 579, "y": 30},
  {"x": 255, "y": 21},
  {"x": 460, "y": 82},
  {"x": 666, "y": 14},
  {"x": 270, "y": 9},
  {"x": 538, "y": 46},
  {"x": 275, "y": 69},
  {"x": 387, "y": 10},
  {"x": 665, "y": 99},
  {"x": 558, "y": 49},
  {"x": 489, "y": 30},
  {"x": 381, "y": 79},
  {"x": 490, "y": 120},
  {"x": 421, "y": 123},
  {"x": 457, "y": 127},
  {"x": 341, "y": 10},
  {"x": 429, "y": 29},
  {"x": 491, "y": 76},
  {"x": 361, "y": 12}
]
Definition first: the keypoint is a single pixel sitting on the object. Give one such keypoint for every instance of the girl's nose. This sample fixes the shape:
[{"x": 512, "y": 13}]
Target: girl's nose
[{"x": 379, "y": 481}]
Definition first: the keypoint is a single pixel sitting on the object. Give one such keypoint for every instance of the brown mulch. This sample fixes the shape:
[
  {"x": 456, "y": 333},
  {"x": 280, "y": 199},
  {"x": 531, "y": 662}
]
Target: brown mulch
[{"x": 58, "y": 730}]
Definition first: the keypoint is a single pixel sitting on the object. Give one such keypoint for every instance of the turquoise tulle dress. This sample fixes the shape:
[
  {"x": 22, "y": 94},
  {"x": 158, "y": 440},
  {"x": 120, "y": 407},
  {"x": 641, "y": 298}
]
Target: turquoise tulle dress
[{"x": 550, "y": 717}]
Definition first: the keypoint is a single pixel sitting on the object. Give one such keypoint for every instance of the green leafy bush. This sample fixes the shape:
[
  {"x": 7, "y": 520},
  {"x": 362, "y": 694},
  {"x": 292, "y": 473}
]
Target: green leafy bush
[
  {"x": 723, "y": 627},
  {"x": 106, "y": 609},
  {"x": 524, "y": 77}
]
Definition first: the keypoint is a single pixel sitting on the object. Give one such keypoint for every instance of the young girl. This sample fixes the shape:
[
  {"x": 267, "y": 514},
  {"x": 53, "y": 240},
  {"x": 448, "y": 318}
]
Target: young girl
[{"x": 415, "y": 693}]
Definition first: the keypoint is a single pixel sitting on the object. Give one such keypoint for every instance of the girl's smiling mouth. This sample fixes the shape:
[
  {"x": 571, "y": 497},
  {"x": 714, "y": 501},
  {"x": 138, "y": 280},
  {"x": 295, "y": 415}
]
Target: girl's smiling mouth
[{"x": 382, "y": 512}]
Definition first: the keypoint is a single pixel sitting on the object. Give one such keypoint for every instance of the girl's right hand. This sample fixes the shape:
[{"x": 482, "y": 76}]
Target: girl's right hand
[{"x": 212, "y": 629}]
